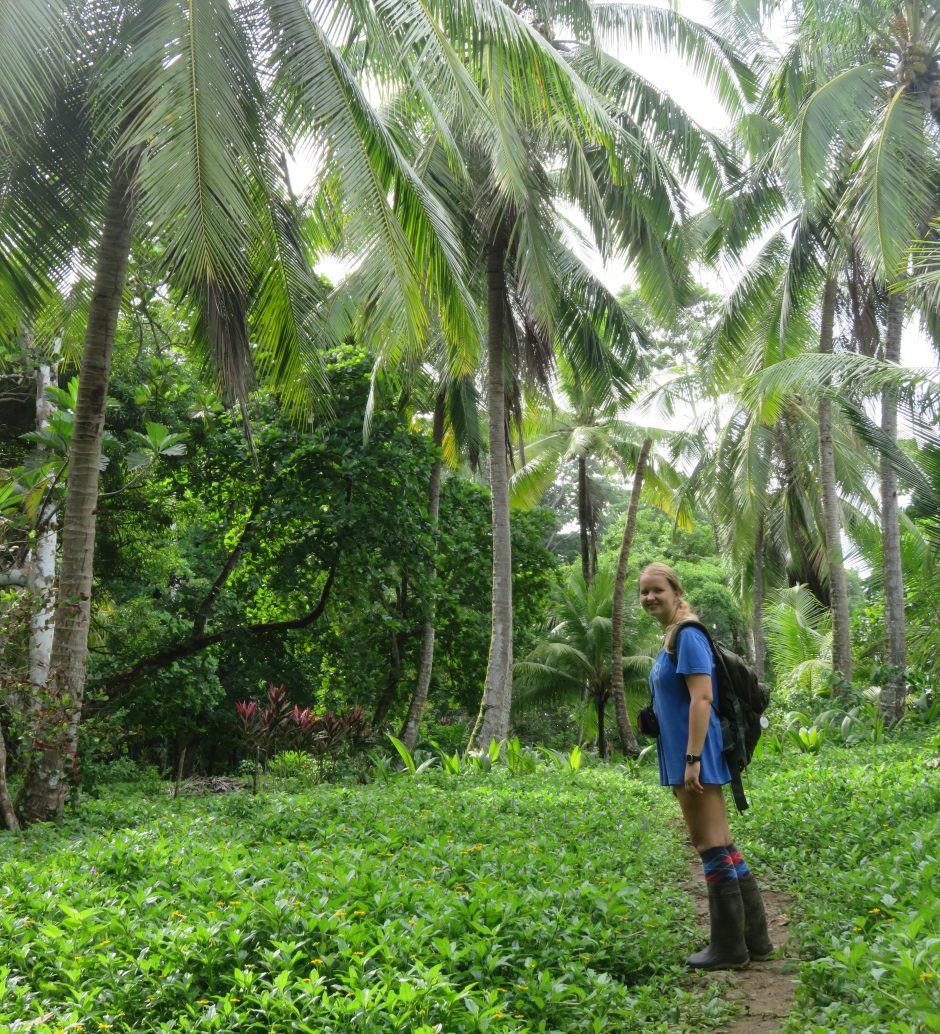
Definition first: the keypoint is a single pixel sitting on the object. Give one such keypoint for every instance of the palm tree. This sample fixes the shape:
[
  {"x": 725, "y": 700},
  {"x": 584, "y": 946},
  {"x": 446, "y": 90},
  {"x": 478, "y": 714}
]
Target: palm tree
[
  {"x": 870, "y": 115},
  {"x": 573, "y": 661},
  {"x": 593, "y": 429},
  {"x": 800, "y": 638},
  {"x": 177, "y": 124},
  {"x": 574, "y": 126}
]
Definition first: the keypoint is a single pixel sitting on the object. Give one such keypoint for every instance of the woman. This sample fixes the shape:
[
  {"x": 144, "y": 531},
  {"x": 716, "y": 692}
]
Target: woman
[{"x": 691, "y": 762}]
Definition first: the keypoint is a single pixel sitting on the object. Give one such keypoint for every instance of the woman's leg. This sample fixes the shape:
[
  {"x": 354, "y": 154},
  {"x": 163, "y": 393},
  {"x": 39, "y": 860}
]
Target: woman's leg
[
  {"x": 705, "y": 816},
  {"x": 707, "y": 821},
  {"x": 759, "y": 944}
]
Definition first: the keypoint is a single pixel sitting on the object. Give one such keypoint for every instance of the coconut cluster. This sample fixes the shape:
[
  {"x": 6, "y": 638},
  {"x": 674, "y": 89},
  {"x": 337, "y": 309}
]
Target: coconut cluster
[
  {"x": 919, "y": 70},
  {"x": 916, "y": 62}
]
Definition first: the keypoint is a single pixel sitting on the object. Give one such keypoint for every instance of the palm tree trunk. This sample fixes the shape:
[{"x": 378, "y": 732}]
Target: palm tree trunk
[
  {"x": 757, "y": 624},
  {"x": 601, "y": 704},
  {"x": 493, "y": 719},
  {"x": 838, "y": 590},
  {"x": 42, "y": 568},
  {"x": 894, "y": 691},
  {"x": 584, "y": 520},
  {"x": 55, "y": 731},
  {"x": 628, "y": 743},
  {"x": 409, "y": 731}
]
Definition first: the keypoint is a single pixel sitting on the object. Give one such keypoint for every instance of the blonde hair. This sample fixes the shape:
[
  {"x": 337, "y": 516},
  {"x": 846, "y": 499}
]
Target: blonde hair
[{"x": 683, "y": 611}]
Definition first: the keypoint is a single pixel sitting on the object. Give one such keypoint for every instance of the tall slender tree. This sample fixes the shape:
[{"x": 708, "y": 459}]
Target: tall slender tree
[{"x": 178, "y": 119}]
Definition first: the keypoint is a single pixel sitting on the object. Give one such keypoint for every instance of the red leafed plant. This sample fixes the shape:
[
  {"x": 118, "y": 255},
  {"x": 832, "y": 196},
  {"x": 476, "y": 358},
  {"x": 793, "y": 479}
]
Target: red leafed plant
[{"x": 324, "y": 735}]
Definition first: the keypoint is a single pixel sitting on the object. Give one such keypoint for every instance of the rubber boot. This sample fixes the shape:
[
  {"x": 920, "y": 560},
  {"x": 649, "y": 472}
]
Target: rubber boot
[
  {"x": 727, "y": 949},
  {"x": 759, "y": 944}
]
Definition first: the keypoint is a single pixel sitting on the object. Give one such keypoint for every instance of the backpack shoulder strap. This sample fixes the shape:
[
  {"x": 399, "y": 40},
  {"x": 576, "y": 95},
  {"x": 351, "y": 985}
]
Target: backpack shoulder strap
[{"x": 674, "y": 645}]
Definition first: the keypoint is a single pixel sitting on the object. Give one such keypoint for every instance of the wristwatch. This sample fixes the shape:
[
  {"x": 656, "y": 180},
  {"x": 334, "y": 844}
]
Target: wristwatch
[{"x": 690, "y": 759}]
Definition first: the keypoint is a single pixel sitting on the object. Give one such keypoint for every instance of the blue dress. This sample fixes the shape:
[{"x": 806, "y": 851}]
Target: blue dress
[{"x": 671, "y": 701}]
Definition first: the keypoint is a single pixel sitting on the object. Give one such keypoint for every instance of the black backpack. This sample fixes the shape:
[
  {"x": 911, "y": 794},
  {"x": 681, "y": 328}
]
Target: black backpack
[{"x": 742, "y": 701}]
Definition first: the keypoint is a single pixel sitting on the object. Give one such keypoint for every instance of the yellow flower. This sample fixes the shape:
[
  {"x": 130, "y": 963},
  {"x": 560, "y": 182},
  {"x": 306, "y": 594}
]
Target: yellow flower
[
  {"x": 359, "y": 912},
  {"x": 358, "y": 953},
  {"x": 318, "y": 962},
  {"x": 872, "y": 911},
  {"x": 202, "y": 1001},
  {"x": 498, "y": 1015},
  {"x": 926, "y": 976},
  {"x": 340, "y": 912}
]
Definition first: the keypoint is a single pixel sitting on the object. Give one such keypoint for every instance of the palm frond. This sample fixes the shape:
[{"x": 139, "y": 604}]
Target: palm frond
[{"x": 893, "y": 194}]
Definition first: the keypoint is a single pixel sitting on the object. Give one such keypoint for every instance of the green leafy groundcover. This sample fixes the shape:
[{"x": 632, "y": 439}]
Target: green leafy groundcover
[
  {"x": 855, "y": 835},
  {"x": 543, "y": 903}
]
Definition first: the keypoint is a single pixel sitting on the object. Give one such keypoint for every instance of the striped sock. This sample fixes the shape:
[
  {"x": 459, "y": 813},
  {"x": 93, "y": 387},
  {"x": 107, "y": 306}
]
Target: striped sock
[
  {"x": 740, "y": 865},
  {"x": 717, "y": 865}
]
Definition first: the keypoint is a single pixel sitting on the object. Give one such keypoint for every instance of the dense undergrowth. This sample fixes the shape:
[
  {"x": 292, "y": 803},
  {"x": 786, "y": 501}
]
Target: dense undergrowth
[
  {"x": 854, "y": 835},
  {"x": 549, "y": 901},
  {"x": 545, "y": 903}
]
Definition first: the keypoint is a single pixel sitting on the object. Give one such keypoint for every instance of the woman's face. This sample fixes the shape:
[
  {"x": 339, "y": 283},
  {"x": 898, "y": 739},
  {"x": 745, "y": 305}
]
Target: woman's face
[{"x": 658, "y": 597}]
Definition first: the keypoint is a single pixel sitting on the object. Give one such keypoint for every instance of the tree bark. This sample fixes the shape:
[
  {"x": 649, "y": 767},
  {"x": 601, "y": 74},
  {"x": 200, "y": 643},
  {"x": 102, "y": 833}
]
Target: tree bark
[
  {"x": 838, "y": 590},
  {"x": 7, "y": 811},
  {"x": 584, "y": 521},
  {"x": 41, "y": 582},
  {"x": 493, "y": 720},
  {"x": 894, "y": 690},
  {"x": 628, "y": 742},
  {"x": 601, "y": 705},
  {"x": 55, "y": 728},
  {"x": 409, "y": 730}
]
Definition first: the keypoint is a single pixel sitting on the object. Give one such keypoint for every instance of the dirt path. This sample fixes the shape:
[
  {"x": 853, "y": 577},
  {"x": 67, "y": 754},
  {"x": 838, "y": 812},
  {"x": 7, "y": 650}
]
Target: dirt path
[{"x": 765, "y": 989}]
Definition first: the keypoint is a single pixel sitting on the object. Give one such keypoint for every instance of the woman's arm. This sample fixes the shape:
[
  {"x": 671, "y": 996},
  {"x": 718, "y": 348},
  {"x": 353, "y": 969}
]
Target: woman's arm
[{"x": 700, "y": 706}]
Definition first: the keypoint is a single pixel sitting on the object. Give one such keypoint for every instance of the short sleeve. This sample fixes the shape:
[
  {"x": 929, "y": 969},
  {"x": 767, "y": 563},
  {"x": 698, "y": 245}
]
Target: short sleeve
[{"x": 695, "y": 653}]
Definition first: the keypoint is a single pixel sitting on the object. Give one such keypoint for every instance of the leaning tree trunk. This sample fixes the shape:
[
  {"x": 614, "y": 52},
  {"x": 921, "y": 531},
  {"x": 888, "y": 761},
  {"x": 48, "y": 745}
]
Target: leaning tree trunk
[
  {"x": 894, "y": 690},
  {"x": 409, "y": 731},
  {"x": 55, "y": 729},
  {"x": 838, "y": 590},
  {"x": 493, "y": 720},
  {"x": 628, "y": 743}
]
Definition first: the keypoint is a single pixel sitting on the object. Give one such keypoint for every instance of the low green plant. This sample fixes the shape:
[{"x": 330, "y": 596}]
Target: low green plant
[
  {"x": 854, "y": 833},
  {"x": 450, "y": 763},
  {"x": 293, "y": 764},
  {"x": 519, "y": 760},
  {"x": 408, "y": 760},
  {"x": 504, "y": 904},
  {"x": 569, "y": 761}
]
